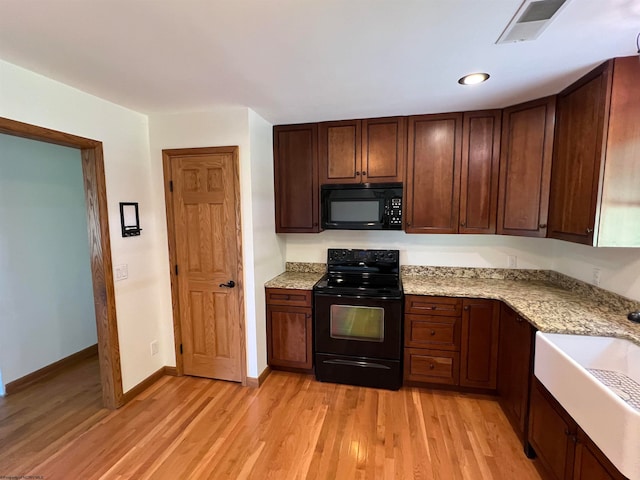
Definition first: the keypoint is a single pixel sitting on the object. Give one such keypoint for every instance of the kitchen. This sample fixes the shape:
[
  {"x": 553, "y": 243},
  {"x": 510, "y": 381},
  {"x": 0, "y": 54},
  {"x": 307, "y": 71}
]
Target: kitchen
[{"x": 267, "y": 252}]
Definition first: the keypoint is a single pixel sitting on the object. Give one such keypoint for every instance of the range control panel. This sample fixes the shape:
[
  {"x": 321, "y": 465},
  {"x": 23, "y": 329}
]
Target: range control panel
[{"x": 359, "y": 259}]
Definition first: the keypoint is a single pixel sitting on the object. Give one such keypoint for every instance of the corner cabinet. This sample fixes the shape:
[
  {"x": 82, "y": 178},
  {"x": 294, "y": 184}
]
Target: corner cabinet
[
  {"x": 452, "y": 172},
  {"x": 595, "y": 199},
  {"x": 289, "y": 329},
  {"x": 297, "y": 191},
  {"x": 363, "y": 151},
  {"x": 525, "y": 168}
]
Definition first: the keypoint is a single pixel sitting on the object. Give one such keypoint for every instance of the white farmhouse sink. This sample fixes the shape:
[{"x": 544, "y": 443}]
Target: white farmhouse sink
[{"x": 568, "y": 365}]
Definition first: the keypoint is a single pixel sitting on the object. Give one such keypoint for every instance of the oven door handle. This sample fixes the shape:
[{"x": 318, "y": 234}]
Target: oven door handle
[{"x": 355, "y": 363}]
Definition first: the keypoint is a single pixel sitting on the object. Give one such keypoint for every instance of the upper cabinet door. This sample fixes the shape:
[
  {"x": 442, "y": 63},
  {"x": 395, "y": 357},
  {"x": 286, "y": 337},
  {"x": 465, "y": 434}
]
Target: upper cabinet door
[
  {"x": 296, "y": 178},
  {"x": 384, "y": 142},
  {"x": 479, "y": 173},
  {"x": 577, "y": 155},
  {"x": 340, "y": 156},
  {"x": 432, "y": 188},
  {"x": 525, "y": 168}
]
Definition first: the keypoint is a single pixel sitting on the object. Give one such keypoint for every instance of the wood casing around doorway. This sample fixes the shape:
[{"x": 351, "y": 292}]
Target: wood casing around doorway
[{"x": 99, "y": 248}]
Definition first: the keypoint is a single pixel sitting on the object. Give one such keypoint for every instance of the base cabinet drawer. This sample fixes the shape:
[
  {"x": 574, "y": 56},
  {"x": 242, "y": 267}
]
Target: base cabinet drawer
[
  {"x": 431, "y": 366},
  {"x": 428, "y": 331}
]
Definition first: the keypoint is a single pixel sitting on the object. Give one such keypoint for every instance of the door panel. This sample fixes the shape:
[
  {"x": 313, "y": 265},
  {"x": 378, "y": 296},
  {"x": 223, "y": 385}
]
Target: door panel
[
  {"x": 340, "y": 160},
  {"x": 433, "y": 173},
  {"x": 206, "y": 229}
]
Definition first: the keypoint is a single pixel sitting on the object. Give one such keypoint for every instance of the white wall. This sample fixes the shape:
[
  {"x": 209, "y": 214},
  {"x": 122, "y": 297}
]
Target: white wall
[
  {"x": 489, "y": 251},
  {"x": 46, "y": 297},
  {"x": 269, "y": 248},
  {"x": 34, "y": 99},
  {"x": 229, "y": 126},
  {"x": 619, "y": 267}
]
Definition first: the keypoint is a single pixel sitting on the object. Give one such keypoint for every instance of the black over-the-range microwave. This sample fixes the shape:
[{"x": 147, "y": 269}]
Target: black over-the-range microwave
[{"x": 362, "y": 206}]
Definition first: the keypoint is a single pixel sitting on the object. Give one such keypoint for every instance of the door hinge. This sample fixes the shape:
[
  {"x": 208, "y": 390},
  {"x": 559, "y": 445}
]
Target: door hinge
[
  {"x": 171, "y": 185},
  {"x": 180, "y": 349},
  {"x": 176, "y": 269}
]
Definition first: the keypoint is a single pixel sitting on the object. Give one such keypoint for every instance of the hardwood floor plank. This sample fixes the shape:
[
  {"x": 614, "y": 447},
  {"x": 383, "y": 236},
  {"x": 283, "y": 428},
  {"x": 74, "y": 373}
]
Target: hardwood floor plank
[{"x": 292, "y": 427}]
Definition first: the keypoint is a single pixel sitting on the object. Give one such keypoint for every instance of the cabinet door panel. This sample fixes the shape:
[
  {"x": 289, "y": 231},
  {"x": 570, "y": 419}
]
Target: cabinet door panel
[
  {"x": 433, "y": 173},
  {"x": 296, "y": 178},
  {"x": 576, "y": 161},
  {"x": 525, "y": 168},
  {"x": 480, "y": 169},
  {"x": 551, "y": 434},
  {"x": 479, "y": 348},
  {"x": 340, "y": 152},
  {"x": 384, "y": 149},
  {"x": 289, "y": 337},
  {"x": 514, "y": 367}
]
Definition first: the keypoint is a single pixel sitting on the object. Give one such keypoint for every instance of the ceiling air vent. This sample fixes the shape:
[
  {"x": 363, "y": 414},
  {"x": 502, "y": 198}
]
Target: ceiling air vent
[{"x": 530, "y": 20}]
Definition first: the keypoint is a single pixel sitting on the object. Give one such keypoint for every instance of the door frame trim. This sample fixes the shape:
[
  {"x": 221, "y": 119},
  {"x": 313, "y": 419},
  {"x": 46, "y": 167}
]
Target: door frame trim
[
  {"x": 167, "y": 155},
  {"x": 99, "y": 248}
]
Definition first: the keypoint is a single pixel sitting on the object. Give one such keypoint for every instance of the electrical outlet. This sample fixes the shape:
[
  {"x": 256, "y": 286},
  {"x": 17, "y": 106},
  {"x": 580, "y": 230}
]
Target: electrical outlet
[
  {"x": 596, "y": 276},
  {"x": 154, "y": 347},
  {"x": 122, "y": 272},
  {"x": 512, "y": 261}
]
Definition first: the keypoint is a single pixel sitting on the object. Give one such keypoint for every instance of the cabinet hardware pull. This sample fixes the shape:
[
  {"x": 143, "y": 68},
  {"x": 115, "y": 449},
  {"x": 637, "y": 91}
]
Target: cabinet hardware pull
[
  {"x": 357, "y": 174},
  {"x": 364, "y": 173},
  {"x": 431, "y": 366},
  {"x": 408, "y": 224},
  {"x": 589, "y": 230},
  {"x": 466, "y": 307},
  {"x": 433, "y": 332},
  {"x": 542, "y": 225},
  {"x": 315, "y": 224},
  {"x": 433, "y": 307},
  {"x": 463, "y": 224},
  {"x": 567, "y": 432}
]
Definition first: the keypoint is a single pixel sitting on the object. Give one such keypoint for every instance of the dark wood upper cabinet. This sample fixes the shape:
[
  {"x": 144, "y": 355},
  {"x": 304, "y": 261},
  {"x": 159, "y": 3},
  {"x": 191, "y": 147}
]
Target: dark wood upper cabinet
[
  {"x": 596, "y": 162},
  {"x": 340, "y": 159},
  {"x": 432, "y": 189},
  {"x": 479, "y": 173},
  {"x": 295, "y": 150},
  {"x": 363, "y": 151},
  {"x": 525, "y": 168}
]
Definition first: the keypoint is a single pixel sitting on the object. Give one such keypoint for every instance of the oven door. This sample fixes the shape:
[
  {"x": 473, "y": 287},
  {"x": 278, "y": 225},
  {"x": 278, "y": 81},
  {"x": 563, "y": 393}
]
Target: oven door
[{"x": 357, "y": 326}]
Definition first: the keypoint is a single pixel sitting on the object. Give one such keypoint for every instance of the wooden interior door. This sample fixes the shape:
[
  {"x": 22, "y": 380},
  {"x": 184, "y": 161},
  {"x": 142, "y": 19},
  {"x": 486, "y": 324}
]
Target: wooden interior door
[{"x": 207, "y": 238}]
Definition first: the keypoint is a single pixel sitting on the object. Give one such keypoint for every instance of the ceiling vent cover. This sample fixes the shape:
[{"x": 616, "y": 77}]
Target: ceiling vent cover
[{"x": 530, "y": 20}]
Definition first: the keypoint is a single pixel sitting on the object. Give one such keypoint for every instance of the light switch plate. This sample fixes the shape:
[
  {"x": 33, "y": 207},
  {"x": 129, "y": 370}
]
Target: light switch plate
[{"x": 122, "y": 272}]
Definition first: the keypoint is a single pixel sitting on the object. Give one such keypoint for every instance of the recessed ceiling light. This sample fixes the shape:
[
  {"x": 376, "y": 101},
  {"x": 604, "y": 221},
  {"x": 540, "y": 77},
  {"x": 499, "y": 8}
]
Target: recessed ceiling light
[{"x": 473, "y": 78}]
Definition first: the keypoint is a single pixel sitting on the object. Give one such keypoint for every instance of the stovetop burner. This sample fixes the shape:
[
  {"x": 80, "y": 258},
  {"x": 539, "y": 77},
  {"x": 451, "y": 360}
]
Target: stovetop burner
[{"x": 373, "y": 273}]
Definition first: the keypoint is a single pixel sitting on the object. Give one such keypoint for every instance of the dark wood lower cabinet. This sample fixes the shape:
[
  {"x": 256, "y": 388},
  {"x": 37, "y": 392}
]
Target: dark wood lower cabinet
[
  {"x": 289, "y": 329},
  {"x": 479, "y": 348},
  {"x": 564, "y": 451},
  {"x": 515, "y": 361}
]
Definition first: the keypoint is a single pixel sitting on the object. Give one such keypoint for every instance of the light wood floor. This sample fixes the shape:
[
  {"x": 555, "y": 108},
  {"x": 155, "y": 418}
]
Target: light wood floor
[
  {"x": 38, "y": 421},
  {"x": 291, "y": 427}
]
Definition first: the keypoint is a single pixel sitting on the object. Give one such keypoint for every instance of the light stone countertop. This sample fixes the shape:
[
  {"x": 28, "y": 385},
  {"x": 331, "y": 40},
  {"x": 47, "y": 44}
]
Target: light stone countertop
[
  {"x": 295, "y": 280},
  {"x": 547, "y": 306},
  {"x": 544, "y": 303}
]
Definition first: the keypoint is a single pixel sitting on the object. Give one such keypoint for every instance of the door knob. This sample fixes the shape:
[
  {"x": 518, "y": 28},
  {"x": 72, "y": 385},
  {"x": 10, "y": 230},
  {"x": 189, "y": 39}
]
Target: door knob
[{"x": 229, "y": 284}]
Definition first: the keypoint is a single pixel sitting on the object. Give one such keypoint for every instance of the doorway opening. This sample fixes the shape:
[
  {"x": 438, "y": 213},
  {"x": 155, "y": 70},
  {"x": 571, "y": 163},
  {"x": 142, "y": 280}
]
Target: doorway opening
[{"x": 99, "y": 249}]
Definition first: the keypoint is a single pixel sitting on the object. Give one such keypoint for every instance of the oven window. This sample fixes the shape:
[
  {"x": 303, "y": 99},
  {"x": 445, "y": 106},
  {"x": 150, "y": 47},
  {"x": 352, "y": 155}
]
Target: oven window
[
  {"x": 355, "y": 211},
  {"x": 350, "y": 322}
]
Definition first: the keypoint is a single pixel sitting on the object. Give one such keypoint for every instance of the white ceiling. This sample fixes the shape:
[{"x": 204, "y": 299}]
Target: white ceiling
[{"x": 309, "y": 60}]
